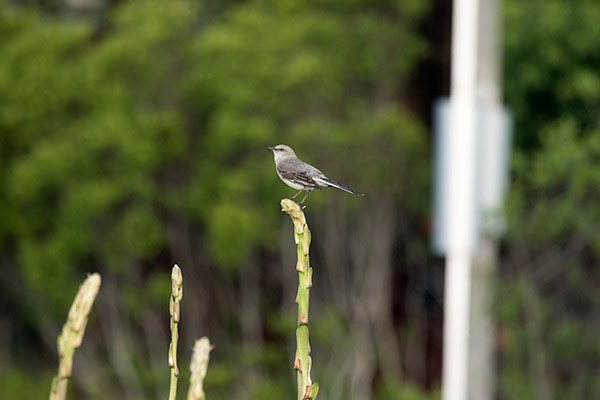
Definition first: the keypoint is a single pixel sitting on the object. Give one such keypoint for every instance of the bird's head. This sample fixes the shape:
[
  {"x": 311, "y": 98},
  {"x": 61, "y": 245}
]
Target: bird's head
[{"x": 281, "y": 151}]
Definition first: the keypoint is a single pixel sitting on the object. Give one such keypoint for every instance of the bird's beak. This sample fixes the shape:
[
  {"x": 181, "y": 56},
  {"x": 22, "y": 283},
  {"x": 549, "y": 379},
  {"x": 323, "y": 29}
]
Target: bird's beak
[{"x": 271, "y": 148}]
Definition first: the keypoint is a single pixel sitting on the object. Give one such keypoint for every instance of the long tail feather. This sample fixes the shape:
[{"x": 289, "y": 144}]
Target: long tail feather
[{"x": 341, "y": 186}]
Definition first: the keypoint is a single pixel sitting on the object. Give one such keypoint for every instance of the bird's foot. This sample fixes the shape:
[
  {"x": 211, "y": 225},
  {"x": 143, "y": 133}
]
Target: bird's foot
[{"x": 302, "y": 206}]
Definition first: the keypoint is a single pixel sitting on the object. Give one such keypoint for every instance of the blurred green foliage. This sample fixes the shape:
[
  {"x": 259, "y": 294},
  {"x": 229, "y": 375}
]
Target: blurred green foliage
[
  {"x": 551, "y": 65},
  {"x": 401, "y": 391},
  {"x": 548, "y": 299},
  {"x": 19, "y": 384},
  {"x": 82, "y": 148}
]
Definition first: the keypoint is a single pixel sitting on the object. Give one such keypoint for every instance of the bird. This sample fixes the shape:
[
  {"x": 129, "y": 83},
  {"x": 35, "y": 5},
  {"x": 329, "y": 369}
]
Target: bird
[{"x": 302, "y": 176}]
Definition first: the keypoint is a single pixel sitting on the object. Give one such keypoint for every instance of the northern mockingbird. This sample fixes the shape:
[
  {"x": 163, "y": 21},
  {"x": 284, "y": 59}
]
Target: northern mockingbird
[{"x": 302, "y": 176}]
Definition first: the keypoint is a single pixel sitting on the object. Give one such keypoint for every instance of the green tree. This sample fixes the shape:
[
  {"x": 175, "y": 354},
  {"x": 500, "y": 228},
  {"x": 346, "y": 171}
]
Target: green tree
[{"x": 547, "y": 302}]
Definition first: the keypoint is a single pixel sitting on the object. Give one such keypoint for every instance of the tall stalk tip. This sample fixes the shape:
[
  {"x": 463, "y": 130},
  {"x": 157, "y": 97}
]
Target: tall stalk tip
[
  {"x": 198, "y": 367},
  {"x": 72, "y": 333},
  {"x": 302, "y": 362}
]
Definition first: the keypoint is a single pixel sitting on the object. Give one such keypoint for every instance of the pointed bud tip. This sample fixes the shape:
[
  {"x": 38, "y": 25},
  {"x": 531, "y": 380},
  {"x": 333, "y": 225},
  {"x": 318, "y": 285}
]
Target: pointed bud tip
[{"x": 176, "y": 275}]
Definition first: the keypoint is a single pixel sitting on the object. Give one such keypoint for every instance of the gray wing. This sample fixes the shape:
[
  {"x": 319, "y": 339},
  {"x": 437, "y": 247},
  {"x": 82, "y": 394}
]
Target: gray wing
[{"x": 300, "y": 172}]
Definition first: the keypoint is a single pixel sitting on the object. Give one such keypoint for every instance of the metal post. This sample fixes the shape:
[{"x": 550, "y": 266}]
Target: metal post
[
  {"x": 461, "y": 199},
  {"x": 481, "y": 347}
]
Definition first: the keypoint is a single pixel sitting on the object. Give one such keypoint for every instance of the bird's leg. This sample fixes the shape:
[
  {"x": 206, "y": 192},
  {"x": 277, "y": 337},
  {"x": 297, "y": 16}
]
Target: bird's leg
[
  {"x": 294, "y": 196},
  {"x": 304, "y": 198}
]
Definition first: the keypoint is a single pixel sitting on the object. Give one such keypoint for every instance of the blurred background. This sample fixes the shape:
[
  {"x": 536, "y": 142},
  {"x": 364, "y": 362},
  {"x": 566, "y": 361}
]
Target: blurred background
[{"x": 133, "y": 136}]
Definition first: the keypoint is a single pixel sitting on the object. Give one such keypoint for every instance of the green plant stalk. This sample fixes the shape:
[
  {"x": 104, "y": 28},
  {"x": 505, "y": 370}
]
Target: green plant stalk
[
  {"x": 302, "y": 362},
  {"x": 72, "y": 334},
  {"x": 174, "y": 310},
  {"x": 198, "y": 367}
]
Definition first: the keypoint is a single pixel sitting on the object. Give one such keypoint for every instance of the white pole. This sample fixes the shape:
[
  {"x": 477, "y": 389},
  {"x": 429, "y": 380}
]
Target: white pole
[
  {"x": 461, "y": 198},
  {"x": 493, "y": 161}
]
